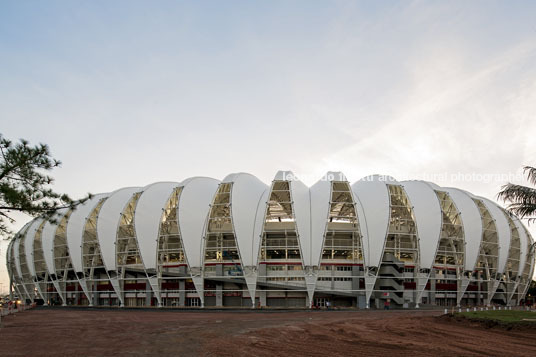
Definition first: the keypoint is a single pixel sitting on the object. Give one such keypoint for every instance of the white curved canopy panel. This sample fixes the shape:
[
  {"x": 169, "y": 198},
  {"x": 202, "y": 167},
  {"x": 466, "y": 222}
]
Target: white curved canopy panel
[
  {"x": 47, "y": 241},
  {"x": 503, "y": 229},
  {"x": 194, "y": 206},
  {"x": 373, "y": 195},
  {"x": 362, "y": 226},
  {"x": 533, "y": 263},
  {"x": 301, "y": 203},
  {"x": 29, "y": 243},
  {"x": 472, "y": 224},
  {"x": 259, "y": 225},
  {"x": 108, "y": 222},
  {"x": 428, "y": 217},
  {"x": 246, "y": 194},
  {"x": 16, "y": 247},
  {"x": 433, "y": 185},
  {"x": 75, "y": 229},
  {"x": 523, "y": 240},
  {"x": 147, "y": 218},
  {"x": 9, "y": 256},
  {"x": 16, "y": 252},
  {"x": 320, "y": 194}
]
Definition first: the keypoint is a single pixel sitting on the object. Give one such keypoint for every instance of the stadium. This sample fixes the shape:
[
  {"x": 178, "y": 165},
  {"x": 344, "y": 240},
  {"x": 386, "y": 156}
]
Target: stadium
[{"x": 242, "y": 243}]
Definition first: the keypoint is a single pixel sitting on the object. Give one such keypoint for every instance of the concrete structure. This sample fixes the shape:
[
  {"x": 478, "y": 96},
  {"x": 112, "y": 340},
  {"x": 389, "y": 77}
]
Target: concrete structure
[{"x": 240, "y": 242}]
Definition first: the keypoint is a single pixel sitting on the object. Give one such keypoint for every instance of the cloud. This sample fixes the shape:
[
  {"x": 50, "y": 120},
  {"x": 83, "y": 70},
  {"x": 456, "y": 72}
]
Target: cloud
[{"x": 452, "y": 119}]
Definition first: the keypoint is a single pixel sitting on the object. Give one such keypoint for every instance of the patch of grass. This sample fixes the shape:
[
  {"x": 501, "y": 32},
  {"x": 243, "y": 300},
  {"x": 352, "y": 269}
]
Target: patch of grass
[{"x": 501, "y": 315}]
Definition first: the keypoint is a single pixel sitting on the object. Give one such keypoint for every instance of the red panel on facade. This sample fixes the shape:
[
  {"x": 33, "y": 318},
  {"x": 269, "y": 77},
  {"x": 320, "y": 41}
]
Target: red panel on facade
[
  {"x": 446, "y": 287},
  {"x": 105, "y": 287},
  {"x": 411, "y": 285}
]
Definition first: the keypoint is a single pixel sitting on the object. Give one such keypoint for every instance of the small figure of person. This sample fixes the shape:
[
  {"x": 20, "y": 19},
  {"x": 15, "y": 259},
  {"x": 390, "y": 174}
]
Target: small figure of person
[
  {"x": 328, "y": 304},
  {"x": 387, "y": 304}
]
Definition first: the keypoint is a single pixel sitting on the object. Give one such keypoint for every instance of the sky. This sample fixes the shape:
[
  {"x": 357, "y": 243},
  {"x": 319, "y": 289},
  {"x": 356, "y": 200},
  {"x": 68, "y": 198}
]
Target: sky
[{"x": 127, "y": 93}]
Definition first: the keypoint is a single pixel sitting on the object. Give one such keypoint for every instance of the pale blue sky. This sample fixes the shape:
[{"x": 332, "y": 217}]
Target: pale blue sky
[{"x": 133, "y": 92}]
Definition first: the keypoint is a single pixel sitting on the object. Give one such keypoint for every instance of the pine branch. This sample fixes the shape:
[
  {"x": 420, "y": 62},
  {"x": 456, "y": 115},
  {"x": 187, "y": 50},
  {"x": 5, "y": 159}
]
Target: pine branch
[{"x": 24, "y": 184}]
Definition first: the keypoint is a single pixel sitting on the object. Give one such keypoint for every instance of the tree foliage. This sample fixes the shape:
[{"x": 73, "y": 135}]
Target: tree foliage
[
  {"x": 522, "y": 198},
  {"x": 25, "y": 184}
]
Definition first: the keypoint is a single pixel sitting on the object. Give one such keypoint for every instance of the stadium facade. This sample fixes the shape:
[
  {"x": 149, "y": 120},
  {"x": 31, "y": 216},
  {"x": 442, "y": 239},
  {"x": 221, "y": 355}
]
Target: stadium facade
[{"x": 240, "y": 242}]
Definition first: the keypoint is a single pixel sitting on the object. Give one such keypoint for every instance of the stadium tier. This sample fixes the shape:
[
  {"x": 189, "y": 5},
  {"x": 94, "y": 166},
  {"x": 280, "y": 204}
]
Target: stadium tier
[{"x": 240, "y": 242}]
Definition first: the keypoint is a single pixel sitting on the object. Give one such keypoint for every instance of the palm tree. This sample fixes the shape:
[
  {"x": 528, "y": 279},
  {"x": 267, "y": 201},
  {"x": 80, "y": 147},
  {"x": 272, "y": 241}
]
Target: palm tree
[{"x": 522, "y": 198}]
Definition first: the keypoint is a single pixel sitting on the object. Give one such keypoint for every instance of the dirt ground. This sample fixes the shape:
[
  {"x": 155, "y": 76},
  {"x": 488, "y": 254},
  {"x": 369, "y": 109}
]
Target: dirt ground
[{"x": 82, "y": 332}]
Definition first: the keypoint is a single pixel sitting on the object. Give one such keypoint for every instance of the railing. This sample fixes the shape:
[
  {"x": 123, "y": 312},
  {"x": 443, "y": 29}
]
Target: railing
[
  {"x": 453, "y": 309},
  {"x": 12, "y": 308}
]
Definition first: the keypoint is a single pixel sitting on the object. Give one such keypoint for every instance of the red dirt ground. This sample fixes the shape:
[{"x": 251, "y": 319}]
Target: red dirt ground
[{"x": 79, "y": 332}]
